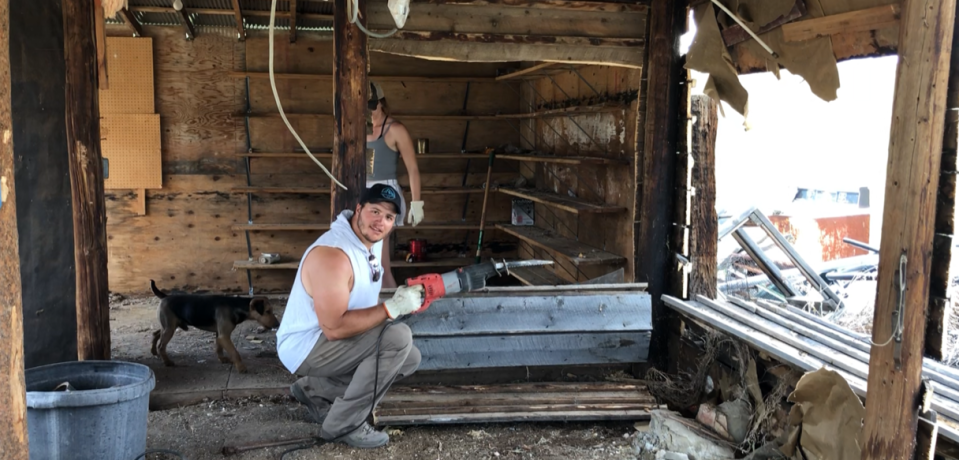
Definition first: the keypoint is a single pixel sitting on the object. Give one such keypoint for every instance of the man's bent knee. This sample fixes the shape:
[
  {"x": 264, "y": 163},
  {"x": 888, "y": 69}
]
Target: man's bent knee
[
  {"x": 397, "y": 336},
  {"x": 412, "y": 362}
]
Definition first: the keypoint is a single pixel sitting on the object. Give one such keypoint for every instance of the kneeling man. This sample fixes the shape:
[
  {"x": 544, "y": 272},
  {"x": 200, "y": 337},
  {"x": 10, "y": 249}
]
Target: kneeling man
[{"x": 334, "y": 319}]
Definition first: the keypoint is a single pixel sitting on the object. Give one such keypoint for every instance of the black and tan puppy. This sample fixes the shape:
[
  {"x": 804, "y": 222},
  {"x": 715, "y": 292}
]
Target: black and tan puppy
[{"x": 219, "y": 314}]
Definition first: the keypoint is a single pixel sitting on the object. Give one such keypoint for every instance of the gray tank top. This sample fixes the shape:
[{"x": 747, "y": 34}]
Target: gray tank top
[{"x": 381, "y": 165}]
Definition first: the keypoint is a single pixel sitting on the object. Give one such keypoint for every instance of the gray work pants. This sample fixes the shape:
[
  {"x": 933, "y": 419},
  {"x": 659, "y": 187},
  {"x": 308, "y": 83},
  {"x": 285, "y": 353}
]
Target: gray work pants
[{"x": 343, "y": 371}]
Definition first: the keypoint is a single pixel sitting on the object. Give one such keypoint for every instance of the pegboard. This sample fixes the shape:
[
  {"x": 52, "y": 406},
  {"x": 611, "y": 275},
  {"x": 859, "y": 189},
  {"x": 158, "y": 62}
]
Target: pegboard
[
  {"x": 129, "y": 75},
  {"x": 131, "y": 144}
]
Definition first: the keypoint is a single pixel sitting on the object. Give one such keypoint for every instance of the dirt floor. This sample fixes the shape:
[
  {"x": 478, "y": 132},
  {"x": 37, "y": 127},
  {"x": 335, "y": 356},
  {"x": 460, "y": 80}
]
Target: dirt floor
[{"x": 201, "y": 431}]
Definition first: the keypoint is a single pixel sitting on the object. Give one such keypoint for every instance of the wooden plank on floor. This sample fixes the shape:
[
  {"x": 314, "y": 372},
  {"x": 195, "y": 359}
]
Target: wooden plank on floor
[
  {"x": 512, "y": 402},
  {"x": 537, "y": 276},
  {"x": 576, "y": 252}
]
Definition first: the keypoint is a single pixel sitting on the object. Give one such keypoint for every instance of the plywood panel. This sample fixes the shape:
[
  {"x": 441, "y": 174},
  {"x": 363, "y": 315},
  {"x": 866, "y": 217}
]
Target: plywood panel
[
  {"x": 130, "y": 69},
  {"x": 131, "y": 144}
]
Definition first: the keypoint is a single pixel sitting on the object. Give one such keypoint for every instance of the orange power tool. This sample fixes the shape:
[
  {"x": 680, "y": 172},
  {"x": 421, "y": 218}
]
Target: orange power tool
[{"x": 465, "y": 279}]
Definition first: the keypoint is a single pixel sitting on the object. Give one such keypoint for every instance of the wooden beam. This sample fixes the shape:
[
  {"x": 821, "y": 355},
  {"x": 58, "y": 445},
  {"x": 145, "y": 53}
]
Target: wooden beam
[
  {"x": 854, "y": 21},
  {"x": 13, "y": 393},
  {"x": 292, "y": 21},
  {"x": 704, "y": 233},
  {"x": 238, "y": 18},
  {"x": 656, "y": 160},
  {"x": 350, "y": 92},
  {"x": 132, "y": 22},
  {"x": 187, "y": 24},
  {"x": 915, "y": 151},
  {"x": 678, "y": 240},
  {"x": 141, "y": 202},
  {"x": 518, "y": 39},
  {"x": 100, "y": 26},
  {"x": 86, "y": 181},
  {"x": 329, "y": 77},
  {"x": 526, "y": 71},
  {"x": 574, "y": 5},
  {"x": 230, "y": 12}
]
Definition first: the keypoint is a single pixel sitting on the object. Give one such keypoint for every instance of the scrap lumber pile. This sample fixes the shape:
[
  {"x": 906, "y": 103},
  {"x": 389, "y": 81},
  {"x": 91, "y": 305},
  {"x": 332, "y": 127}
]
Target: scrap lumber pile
[{"x": 808, "y": 343}]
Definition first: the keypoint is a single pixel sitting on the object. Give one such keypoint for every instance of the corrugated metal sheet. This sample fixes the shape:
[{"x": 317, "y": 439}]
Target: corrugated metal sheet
[
  {"x": 157, "y": 19},
  {"x": 264, "y": 5},
  {"x": 215, "y": 20},
  {"x": 315, "y": 7},
  {"x": 565, "y": 328}
]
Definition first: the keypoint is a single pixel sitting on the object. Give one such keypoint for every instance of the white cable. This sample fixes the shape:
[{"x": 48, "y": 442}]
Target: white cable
[
  {"x": 352, "y": 12},
  {"x": 747, "y": 29},
  {"x": 279, "y": 106}
]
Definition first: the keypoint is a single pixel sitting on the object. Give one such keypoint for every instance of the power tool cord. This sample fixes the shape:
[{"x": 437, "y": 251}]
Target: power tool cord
[{"x": 317, "y": 441}]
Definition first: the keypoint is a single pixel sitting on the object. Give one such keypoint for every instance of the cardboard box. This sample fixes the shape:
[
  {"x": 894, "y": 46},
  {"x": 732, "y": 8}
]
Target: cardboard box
[{"x": 522, "y": 212}]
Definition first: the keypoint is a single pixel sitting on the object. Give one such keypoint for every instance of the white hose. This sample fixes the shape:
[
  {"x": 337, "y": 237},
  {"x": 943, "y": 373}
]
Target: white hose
[
  {"x": 279, "y": 106},
  {"x": 352, "y": 12}
]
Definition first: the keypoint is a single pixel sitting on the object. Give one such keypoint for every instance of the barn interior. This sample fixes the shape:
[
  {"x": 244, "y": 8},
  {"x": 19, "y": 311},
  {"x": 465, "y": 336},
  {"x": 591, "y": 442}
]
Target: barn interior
[{"x": 149, "y": 145}]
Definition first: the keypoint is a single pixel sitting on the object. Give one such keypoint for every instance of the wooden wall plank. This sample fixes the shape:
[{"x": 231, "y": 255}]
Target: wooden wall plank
[
  {"x": 13, "y": 401},
  {"x": 915, "y": 151}
]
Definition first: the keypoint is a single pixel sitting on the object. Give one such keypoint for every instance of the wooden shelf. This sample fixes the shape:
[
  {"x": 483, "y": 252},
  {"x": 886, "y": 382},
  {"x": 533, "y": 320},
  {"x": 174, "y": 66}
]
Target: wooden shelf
[
  {"x": 537, "y": 276},
  {"x": 398, "y": 263},
  {"x": 566, "y": 203},
  {"x": 577, "y": 253},
  {"x": 561, "y": 160},
  {"x": 303, "y": 190},
  {"x": 322, "y": 156},
  {"x": 402, "y": 117},
  {"x": 584, "y": 109},
  {"x": 327, "y": 156},
  {"x": 380, "y": 78},
  {"x": 427, "y": 226},
  {"x": 281, "y": 227},
  {"x": 446, "y": 190}
]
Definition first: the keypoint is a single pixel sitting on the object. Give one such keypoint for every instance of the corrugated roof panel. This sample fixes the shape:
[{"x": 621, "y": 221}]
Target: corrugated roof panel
[
  {"x": 315, "y": 7},
  {"x": 215, "y": 20},
  {"x": 264, "y": 5},
  {"x": 157, "y": 19},
  {"x": 263, "y": 23}
]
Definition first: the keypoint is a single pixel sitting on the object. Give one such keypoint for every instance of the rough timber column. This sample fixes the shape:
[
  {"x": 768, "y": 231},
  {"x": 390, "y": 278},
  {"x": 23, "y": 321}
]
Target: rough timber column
[
  {"x": 915, "y": 151},
  {"x": 13, "y": 399},
  {"x": 657, "y": 163},
  {"x": 350, "y": 92},
  {"x": 86, "y": 180}
]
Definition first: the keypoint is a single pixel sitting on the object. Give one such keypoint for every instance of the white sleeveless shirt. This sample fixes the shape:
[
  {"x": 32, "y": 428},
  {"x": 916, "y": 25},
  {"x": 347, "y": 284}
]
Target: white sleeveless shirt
[{"x": 300, "y": 329}]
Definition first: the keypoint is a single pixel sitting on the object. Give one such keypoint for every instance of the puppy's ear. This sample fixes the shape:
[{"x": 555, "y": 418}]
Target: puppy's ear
[{"x": 258, "y": 304}]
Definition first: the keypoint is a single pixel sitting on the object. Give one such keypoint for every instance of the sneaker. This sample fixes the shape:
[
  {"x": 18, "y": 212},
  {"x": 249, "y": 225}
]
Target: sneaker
[
  {"x": 317, "y": 410},
  {"x": 366, "y": 437}
]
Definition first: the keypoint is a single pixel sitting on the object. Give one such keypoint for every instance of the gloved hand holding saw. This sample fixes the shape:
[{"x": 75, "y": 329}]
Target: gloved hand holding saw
[{"x": 406, "y": 300}]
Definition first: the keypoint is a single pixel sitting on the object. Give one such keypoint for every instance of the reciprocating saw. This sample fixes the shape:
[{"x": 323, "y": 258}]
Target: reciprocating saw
[{"x": 465, "y": 279}]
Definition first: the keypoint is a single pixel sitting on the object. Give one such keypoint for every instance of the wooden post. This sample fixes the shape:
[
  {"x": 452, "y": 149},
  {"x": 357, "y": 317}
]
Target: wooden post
[
  {"x": 292, "y": 21},
  {"x": 678, "y": 275},
  {"x": 937, "y": 321},
  {"x": 131, "y": 22},
  {"x": 704, "y": 221},
  {"x": 915, "y": 151},
  {"x": 101, "y": 31},
  {"x": 238, "y": 18},
  {"x": 655, "y": 177},
  {"x": 86, "y": 181},
  {"x": 350, "y": 92},
  {"x": 13, "y": 396}
]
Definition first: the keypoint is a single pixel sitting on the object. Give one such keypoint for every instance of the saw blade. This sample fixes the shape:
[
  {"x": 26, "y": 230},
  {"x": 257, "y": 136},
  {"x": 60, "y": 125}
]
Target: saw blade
[{"x": 522, "y": 263}]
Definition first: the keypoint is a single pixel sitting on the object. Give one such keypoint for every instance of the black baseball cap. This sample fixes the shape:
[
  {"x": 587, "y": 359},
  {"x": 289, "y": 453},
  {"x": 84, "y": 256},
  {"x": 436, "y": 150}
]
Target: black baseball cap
[{"x": 382, "y": 193}]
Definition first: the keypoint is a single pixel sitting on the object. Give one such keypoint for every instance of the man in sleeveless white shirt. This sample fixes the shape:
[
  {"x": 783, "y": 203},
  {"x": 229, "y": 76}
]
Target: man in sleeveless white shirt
[{"x": 333, "y": 320}]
